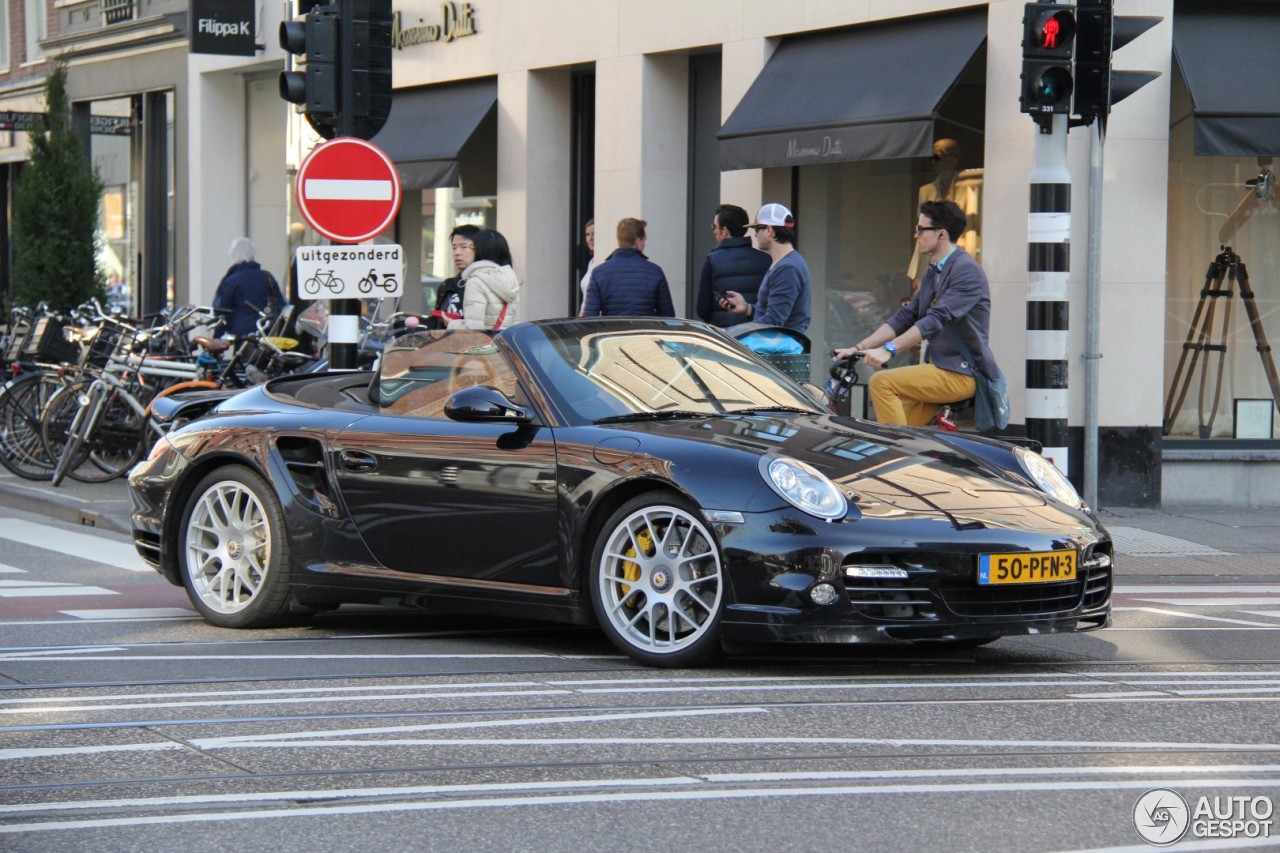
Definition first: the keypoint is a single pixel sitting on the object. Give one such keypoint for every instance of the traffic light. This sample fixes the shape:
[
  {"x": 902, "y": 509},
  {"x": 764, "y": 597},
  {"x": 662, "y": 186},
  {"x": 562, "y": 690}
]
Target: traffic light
[
  {"x": 1048, "y": 33},
  {"x": 1048, "y": 36},
  {"x": 345, "y": 89},
  {"x": 1101, "y": 33},
  {"x": 366, "y": 57},
  {"x": 316, "y": 89}
]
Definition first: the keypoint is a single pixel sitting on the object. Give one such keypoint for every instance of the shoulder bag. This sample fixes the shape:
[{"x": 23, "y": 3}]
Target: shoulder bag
[{"x": 991, "y": 400}]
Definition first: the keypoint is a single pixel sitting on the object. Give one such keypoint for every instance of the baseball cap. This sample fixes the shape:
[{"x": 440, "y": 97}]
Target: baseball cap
[{"x": 774, "y": 214}]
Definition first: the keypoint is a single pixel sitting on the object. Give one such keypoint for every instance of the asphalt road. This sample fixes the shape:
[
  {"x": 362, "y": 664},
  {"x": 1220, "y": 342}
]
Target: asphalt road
[{"x": 128, "y": 724}]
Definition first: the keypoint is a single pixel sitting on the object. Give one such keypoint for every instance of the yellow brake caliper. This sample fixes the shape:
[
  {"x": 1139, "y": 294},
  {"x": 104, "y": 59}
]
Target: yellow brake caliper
[{"x": 631, "y": 571}]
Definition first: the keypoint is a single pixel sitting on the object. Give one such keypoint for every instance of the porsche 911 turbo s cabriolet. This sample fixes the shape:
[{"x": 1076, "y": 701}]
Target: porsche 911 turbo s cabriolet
[{"x": 649, "y": 476}]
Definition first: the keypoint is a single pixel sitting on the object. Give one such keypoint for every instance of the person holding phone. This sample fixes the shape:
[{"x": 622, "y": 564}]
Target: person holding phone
[{"x": 734, "y": 264}]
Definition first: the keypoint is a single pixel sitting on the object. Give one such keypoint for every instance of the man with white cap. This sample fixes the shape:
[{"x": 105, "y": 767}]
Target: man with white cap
[{"x": 785, "y": 296}]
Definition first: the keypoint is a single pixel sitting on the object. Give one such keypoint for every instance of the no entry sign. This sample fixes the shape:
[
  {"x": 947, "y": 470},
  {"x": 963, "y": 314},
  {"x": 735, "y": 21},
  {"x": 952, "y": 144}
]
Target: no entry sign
[{"x": 348, "y": 190}]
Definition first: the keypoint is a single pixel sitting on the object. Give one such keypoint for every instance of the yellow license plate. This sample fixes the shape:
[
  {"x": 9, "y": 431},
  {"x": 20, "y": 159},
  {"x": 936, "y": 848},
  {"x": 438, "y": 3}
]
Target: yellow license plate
[{"x": 1042, "y": 567}]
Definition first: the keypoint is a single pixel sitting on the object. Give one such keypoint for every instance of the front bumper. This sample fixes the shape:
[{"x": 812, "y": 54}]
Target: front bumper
[{"x": 928, "y": 589}]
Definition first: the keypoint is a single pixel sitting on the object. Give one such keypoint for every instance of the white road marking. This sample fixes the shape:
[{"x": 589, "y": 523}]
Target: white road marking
[
  {"x": 19, "y": 654},
  {"x": 9, "y": 569},
  {"x": 683, "y": 794},
  {"x": 570, "y": 784},
  {"x": 133, "y": 613},
  {"x": 1214, "y": 602},
  {"x": 52, "y": 752},
  {"x": 38, "y": 589},
  {"x": 93, "y": 548},
  {"x": 1211, "y": 588},
  {"x": 1202, "y": 616},
  {"x": 245, "y": 740}
]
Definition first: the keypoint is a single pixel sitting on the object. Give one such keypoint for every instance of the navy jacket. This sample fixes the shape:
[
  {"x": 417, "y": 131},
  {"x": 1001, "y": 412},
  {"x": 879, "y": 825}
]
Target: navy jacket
[
  {"x": 734, "y": 264},
  {"x": 244, "y": 284},
  {"x": 959, "y": 298},
  {"x": 628, "y": 284}
]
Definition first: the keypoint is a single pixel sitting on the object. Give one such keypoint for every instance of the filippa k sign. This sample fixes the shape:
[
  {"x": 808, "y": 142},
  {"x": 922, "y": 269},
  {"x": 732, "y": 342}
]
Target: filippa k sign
[{"x": 222, "y": 26}]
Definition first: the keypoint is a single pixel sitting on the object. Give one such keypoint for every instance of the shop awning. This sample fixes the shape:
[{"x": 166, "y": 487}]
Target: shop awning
[
  {"x": 1223, "y": 50},
  {"x": 429, "y": 130},
  {"x": 864, "y": 93}
]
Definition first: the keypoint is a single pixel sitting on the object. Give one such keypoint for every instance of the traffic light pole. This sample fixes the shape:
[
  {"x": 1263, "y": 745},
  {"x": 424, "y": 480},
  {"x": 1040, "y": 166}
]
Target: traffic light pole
[
  {"x": 1093, "y": 318},
  {"x": 344, "y": 316},
  {"x": 1048, "y": 265}
]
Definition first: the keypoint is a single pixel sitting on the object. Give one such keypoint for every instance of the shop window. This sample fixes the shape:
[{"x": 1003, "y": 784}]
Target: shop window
[
  {"x": 1224, "y": 215},
  {"x": 856, "y": 235},
  {"x": 443, "y": 210}
]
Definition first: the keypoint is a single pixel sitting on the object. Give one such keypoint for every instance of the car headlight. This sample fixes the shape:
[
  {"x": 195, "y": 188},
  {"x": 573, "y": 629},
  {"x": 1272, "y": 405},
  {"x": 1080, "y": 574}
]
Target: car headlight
[
  {"x": 803, "y": 487},
  {"x": 1047, "y": 476}
]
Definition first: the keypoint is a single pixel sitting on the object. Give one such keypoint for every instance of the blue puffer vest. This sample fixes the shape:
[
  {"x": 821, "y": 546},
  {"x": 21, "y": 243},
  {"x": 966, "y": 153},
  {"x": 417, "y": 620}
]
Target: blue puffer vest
[
  {"x": 738, "y": 266},
  {"x": 628, "y": 283}
]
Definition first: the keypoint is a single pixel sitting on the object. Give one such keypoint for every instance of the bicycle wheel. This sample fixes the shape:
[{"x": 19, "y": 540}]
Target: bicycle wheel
[
  {"x": 62, "y": 426},
  {"x": 22, "y": 448},
  {"x": 116, "y": 441}
]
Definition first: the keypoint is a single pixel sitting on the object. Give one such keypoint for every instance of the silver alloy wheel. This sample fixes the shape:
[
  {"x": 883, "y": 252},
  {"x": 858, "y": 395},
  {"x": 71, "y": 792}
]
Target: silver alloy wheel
[
  {"x": 661, "y": 580},
  {"x": 228, "y": 540}
]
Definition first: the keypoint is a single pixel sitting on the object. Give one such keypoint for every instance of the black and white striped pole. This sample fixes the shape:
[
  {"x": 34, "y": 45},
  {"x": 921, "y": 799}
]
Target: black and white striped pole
[
  {"x": 1048, "y": 40},
  {"x": 1048, "y": 265}
]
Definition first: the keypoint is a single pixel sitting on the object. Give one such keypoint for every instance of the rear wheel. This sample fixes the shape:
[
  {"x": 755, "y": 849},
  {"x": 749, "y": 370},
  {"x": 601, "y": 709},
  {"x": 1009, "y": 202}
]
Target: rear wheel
[
  {"x": 657, "y": 582},
  {"x": 234, "y": 556},
  {"x": 22, "y": 448}
]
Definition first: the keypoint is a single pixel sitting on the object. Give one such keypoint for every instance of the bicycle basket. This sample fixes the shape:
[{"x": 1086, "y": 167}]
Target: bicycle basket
[
  {"x": 19, "y": 333},
  {"x": 47, "y": 343}
]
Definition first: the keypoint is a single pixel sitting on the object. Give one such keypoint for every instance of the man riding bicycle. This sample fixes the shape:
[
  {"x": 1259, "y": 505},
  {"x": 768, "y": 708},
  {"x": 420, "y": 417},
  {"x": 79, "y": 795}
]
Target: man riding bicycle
[{"x": 951, "y": 309}]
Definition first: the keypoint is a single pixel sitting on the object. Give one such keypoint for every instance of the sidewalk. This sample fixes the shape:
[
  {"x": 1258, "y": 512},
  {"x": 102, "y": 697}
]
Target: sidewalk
[{"x": 1179, "y": 543}]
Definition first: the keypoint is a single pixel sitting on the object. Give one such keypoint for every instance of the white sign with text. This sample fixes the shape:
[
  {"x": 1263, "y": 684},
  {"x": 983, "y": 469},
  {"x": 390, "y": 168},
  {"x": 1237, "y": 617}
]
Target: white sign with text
[{"x": 350, "y": 272}]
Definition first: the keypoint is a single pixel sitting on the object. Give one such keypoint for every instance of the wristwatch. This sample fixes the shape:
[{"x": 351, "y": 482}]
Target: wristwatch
[{"x": 890, "y": 347}]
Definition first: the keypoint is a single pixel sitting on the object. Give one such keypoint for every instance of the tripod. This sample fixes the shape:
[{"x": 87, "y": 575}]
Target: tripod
[{"x": 1229, "y": 266}]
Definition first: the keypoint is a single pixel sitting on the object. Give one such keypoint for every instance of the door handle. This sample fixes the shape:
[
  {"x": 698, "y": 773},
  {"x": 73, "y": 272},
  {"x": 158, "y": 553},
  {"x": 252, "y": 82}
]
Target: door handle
[{"x": 357, "y": 461}]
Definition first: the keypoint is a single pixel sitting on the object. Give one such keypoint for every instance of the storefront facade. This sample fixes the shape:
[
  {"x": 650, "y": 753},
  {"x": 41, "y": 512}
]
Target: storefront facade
[{"x": 537, "y": 117}]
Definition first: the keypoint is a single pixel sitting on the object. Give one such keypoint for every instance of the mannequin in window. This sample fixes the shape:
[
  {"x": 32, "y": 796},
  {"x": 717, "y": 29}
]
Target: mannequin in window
[{"x": 964, "y": 187}]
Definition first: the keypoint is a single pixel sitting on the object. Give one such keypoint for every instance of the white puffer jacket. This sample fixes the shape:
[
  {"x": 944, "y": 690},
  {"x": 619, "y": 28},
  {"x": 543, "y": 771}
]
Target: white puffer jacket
[{"x": 488, "y": 287}]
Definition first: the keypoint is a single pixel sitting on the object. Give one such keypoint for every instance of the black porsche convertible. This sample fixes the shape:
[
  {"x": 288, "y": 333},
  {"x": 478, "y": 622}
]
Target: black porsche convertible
[{"x": 650, "y": 476}]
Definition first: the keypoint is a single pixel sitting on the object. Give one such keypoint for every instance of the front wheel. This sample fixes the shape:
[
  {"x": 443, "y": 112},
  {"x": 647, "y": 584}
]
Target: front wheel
[
  {"x": 657, "y": 582},
  {"x": 234, "y": 556}
]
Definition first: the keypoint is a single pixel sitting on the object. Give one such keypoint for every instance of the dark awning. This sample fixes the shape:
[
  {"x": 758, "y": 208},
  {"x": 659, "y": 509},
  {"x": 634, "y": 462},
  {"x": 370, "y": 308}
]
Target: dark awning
[
  {"x": 429, "y": 127},
  {"x": 1223, "y": 50},
  {"x": 864, "y": 93}
]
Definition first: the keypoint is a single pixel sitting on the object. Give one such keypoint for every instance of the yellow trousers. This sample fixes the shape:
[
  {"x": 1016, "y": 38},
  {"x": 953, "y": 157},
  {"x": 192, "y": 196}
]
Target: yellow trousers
[{"x": 911, "y": 395}]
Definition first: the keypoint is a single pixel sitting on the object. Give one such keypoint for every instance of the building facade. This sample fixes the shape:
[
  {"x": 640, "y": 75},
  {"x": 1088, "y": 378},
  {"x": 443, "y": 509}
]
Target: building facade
[{"x": 535, "y": 117}]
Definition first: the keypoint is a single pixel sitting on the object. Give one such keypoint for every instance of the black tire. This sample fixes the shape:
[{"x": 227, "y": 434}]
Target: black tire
[
  {"x": 22, "y": 448},
  {"x": 233, "y": 552},
  {"x": 657, "y": 582},
  {"x": 68, "y": 452}
]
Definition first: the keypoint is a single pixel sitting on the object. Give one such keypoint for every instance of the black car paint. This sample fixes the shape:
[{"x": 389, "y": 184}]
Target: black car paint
[{"x": 350, "y": 530}]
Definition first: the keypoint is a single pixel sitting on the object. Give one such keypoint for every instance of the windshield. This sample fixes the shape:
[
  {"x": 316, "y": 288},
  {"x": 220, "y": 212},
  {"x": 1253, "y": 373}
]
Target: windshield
[{"x": 596, "y": 369}]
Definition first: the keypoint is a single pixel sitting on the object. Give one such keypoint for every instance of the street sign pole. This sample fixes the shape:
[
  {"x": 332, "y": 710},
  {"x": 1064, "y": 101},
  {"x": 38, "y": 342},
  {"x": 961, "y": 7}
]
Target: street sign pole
[{"x": 349, "y": 191}]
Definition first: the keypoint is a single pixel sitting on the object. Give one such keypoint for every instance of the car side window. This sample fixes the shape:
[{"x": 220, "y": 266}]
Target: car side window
[{"x": 419, "y": 371}]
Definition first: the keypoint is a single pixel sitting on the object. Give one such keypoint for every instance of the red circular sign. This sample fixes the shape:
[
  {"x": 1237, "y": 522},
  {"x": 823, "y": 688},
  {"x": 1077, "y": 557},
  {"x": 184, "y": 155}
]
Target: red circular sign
[{"x": 348, "y": 190}]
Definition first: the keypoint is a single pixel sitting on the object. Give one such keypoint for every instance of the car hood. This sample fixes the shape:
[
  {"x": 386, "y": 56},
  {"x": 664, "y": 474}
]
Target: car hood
[{"x": 885, "y": 470}]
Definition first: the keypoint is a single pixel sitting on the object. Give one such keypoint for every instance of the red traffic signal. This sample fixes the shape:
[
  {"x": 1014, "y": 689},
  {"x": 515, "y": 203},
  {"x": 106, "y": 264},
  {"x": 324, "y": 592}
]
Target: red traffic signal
[{"x": 1048, "y": 38}]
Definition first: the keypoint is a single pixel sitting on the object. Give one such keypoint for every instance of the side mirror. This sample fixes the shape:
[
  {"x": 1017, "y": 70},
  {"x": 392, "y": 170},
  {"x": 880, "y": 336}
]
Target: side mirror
[{"x": 481, "y": 403}]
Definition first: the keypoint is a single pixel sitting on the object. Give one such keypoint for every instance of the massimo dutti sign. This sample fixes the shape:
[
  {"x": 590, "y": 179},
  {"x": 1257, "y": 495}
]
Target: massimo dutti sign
[
  {"x": 222, "y": 26},
  {"x": 455, "y": 21}
]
